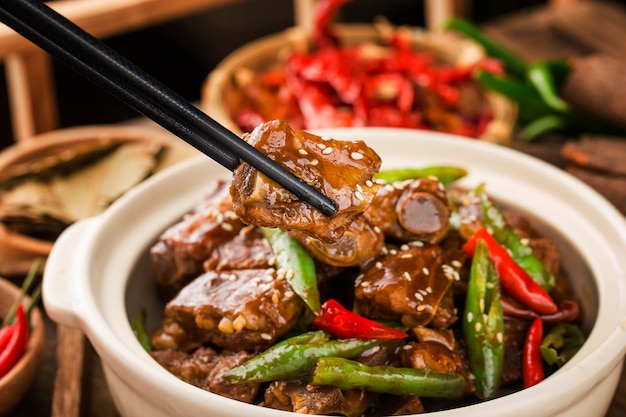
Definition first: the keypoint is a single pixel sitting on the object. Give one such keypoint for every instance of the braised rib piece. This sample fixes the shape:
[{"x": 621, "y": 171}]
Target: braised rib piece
[
  {"x": 407, "y": 283},
  {"x": 184, "y": 246},
  {"x": 360, "y": 243},
  {"x": 411, "y": 210},
  {"x": 341, "y": 170},
  {"x": 205, "y": 369},
  {"x": 237, "y": 309},
  {"x": 248, "y": 250}
]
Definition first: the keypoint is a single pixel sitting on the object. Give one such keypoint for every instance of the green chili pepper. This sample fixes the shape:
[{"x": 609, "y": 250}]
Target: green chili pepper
[
  {"x": 512, "y": 62},
  {"x": 530, "y": 105},
  {"x": 293, "y": 358},
  {"x": 138, "y": 324},
  {"x": 520, "y": 251},
  {"x": 348, "y": 374},
  {"x": 483, "y": 324},
  {"x": 541, "y": 77},
  {"x": 445, "y": 174},
  {"x": 297, "y": 264},
  {"x": 561, "y": 343}
]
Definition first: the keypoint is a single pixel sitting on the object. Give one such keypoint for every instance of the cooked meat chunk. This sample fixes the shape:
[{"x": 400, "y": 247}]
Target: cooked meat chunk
[
  {"x": 341, "y": 170},
  {"x": 239, "y": 309},
  {"x": 299, "y": 397},
  {"x": 205, "y": 369},
  {"x": 433, "y": 356},
  {"x": 411, "y": 210},
  {"x": 183, "y": 247},
  {"x": 361, "y": 243},
  {"x": 514, "y": 336},
  {"x": 406, "y": 283},
  {"x": 248, "y": 250}
]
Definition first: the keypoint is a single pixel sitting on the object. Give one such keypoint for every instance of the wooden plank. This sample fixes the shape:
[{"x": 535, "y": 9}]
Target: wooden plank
[
  {"x": 66, "y": 398},
  {"x": 32, "y": 94},
  {"x": 103, "y": 18}
]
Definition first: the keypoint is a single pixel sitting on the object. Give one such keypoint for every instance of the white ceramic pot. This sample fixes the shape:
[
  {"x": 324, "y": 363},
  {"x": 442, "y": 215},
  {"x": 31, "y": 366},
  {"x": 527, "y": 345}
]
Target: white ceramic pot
[{"x": 99, "y": 274}]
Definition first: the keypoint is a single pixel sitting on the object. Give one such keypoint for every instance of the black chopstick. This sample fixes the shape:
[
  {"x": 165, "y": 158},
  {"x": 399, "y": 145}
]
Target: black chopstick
[{"x": 90, "y": 57}]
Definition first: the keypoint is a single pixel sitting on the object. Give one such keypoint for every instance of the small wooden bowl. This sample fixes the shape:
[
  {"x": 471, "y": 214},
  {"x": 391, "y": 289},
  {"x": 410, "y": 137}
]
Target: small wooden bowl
[
  {"x": 17, "y": 251},
  {"x": 259, "y": 54},
  {"x": 20, "y": 378}
]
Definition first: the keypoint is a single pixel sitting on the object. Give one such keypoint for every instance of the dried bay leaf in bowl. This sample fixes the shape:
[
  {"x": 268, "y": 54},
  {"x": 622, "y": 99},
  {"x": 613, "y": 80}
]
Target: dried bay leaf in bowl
[{"x": 44, "y": 200}]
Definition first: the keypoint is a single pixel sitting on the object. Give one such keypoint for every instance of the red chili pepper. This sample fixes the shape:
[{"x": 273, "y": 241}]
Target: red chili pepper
[
  {"x": 344, "y": 324},
  {"x": 532, "y": 362},
  {"x": 513, "y": 279},
  {"x": 17, "y": 342}
]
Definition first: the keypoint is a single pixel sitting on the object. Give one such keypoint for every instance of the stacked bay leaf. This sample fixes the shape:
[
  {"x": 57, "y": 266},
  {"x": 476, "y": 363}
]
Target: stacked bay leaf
[{"x": 41, "y": 197}]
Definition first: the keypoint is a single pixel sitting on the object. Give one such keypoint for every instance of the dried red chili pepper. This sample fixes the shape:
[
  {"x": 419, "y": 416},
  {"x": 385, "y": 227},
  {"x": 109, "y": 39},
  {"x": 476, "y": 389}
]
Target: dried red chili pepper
[
  {"x": 532, "y": 361},
  {"x": 16, "y": 344},
  {"x": 568, "y": 311},
  {"x": 345, "y": 324},
  {"x": 513, "y": 279}
]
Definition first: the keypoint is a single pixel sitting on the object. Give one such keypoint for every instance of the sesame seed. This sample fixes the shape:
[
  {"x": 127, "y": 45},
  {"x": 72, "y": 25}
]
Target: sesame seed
[
  {"x": 389, "y": 187},
  {"x": 377, "y": 229},
  {"x": 406, "y": 276},
  {"x": 365, "y": 284},
  {"x": 404, "y": 247},
  {"x": 379, "y": 265},
  {"x": 232, "y": 277},
  {"x": 321, "y": 146},
  {"x": 369, "y": 183},
  {"x": 275, "y": 298},
  {"x": 478, "y": 326},
  {"x": 359, "y": 195},
  {"x": 470, "y": 317},
  {"x": 327, "y": 151},
  {"x": 419, "y": 296},
  {"x": 219, "y": 217},
  {"x": 423, "y": 292},
  {"x": 271, "y": 261},
  {"x": 525, "y": 241},
  {"x": 429, "y": 289},
  {"x": 302, "y": 152},
  {"x": 456, "y": 263},
  {"x": 421, "y": 307},
  {"x": 393, "y": 252},
  {"x": 289, "y": 274},
  {"x": 288, "y": 294},
  {"x": 227, "y": 226},
  {"x": 230, "y": 215},
  {"x": 259, "y": 257},
  {"x": 314, "y": 162},
  {"x": 499, "y": 337},
  {"x": 266, "y": 336},
  {"x": 356, "y": 156},
  {"x": 425, "y": 271},
  {"x": 407, "y": 256},
  {"x": 358, "y": 187}
]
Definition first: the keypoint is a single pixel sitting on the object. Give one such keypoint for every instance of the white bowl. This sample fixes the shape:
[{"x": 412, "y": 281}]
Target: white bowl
[{"x": 99, "y": 274}]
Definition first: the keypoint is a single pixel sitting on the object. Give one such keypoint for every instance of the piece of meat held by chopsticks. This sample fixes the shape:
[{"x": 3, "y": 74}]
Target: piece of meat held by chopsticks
[{"x": 341, "y": 170}]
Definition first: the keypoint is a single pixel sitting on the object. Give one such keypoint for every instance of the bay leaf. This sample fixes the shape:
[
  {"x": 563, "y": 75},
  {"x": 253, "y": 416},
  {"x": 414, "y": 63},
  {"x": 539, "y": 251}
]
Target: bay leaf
[{"x": 89, "y": 191}]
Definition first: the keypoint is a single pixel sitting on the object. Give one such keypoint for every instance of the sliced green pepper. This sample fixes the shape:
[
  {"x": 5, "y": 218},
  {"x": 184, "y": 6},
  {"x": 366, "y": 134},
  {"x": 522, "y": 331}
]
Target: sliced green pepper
[
  {"x": 348, "y": 374},
  {"x": 561, "y": 343},
  {"x": 483, "y": 324},
  {"x": 541, "y": 77},
  {"x": 297, "y": 264},
  {"x": 520, "y": 251},
  {"x": 293, "y": 358},
  {"x": 138, "y": 324},
  {"x": 445, "y": 174}
]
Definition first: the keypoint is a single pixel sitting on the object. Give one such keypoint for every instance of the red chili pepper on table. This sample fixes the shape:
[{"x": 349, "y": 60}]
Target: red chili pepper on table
[
  {"x": 345, "y": 324},
  {"x": 16, "y": 343},
  {"x": 513, "y": 279},
  {"x": 532, "y": 365}
]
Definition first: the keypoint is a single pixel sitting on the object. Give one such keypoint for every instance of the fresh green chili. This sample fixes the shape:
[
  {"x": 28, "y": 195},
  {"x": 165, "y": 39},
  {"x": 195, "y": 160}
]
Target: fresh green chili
[
  {"x": 519, "y": 249},
  {"x": 348, "y": 374},
  {"x": 561, "y": 343},
  {"x": 138, "y": 324},
  {"x": 293, "y": 358},
  {"x": 297, "y": 264},
  {"x": 483, "y": 324},
  {"x": 445, "y": 174}
]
